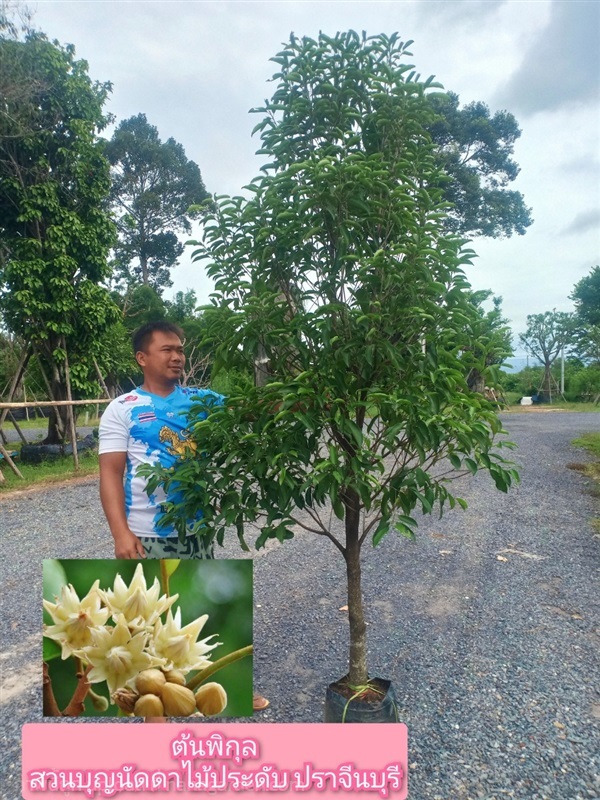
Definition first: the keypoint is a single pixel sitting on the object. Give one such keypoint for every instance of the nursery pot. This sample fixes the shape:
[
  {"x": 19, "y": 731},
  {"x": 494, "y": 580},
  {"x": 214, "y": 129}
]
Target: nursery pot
[{"x": 377, "y": 705}]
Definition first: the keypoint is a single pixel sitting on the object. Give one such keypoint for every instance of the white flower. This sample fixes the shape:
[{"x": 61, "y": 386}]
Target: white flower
[
  {"x": 74, "y": 618},
  {"x": 140, "y": 606},
  {"x": 117, "y": 655},
  {"x": 178, "y": 646}
]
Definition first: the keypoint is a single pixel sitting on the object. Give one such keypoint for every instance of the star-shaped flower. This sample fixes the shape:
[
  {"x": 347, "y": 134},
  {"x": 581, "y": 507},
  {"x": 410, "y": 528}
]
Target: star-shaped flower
[
  {"x": 140, "y": 606},
  {"x": 178, "y": 646},
  {"x": 74, "y": 618},
  {"x": 117, "y": 655}
]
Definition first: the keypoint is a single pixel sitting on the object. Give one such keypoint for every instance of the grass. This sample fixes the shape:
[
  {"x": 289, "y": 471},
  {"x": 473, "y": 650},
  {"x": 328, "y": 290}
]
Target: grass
[
  {"x": 48, "y": 472},
  {"x": 591, "y": 443},
  {"x": 41, "y": 424}
]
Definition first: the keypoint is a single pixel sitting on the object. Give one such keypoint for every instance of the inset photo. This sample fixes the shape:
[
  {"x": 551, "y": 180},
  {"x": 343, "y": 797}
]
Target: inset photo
[{"x": 150, "y": 638}]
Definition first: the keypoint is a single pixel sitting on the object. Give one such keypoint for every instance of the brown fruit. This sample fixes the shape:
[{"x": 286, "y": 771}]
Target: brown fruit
[
  {"x": 149, "y": 705},
  {"x": 211, "y": 698},
  {"x": 150, "y": 681},
  {"x": 179, "y": 701},
  {"x": 175, "y": 676}
]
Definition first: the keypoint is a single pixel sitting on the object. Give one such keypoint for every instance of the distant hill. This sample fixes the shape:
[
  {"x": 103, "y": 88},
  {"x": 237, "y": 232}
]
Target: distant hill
[{"x": 517, "y": 363}]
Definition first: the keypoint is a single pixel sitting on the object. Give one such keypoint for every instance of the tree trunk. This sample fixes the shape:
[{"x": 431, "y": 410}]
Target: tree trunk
[
  {"x": 261, "y": 366},
  {"x": 357, "y": 671},
  {"x": 476, "y": 381},
  {"x": 57, "y": 419}
]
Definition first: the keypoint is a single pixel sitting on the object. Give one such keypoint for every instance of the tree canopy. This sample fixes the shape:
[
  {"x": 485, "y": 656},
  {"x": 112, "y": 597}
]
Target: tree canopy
[
  {"x": 492, "y": 342},
  {"x": 153, "y": 187},
  {"x": 586, "y": 296},
  {"x": 55, "y": 227},
  {"x": 475, "y": 151},
  {"x": 338, "y": 271}
]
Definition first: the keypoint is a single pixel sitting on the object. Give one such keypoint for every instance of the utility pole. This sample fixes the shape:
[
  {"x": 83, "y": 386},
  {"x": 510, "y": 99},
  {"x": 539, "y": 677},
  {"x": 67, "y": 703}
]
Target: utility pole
[{"x": 562, "y": 371}]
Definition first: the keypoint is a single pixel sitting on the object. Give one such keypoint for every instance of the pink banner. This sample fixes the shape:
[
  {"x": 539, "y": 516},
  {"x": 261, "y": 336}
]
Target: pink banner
[{"x": 140, "y": 762}]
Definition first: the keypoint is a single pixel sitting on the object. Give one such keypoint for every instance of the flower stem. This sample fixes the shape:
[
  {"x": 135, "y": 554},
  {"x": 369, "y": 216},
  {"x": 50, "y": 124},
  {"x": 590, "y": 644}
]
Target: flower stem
[
  {"x": 51, "y": 708},
  {"x": 164, "y": 576},
  {"x": 225, "y": 661}
]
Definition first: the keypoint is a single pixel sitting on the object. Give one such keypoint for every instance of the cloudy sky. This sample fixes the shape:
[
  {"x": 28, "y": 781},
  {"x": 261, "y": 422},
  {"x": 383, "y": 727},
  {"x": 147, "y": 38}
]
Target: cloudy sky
[{"x": 196, "y": 68}]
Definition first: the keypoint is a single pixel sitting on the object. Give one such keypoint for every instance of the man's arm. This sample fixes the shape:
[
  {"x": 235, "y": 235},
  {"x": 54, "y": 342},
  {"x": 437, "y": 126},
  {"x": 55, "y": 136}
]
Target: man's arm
[{"x": 112, "y": 497}]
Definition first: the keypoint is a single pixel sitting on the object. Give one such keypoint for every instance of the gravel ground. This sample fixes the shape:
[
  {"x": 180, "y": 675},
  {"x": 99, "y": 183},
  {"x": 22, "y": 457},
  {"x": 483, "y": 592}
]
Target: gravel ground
[{"x": 488, "y": 625}]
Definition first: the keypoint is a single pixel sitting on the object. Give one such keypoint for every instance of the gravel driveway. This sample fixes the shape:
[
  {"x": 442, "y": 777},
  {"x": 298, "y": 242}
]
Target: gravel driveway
[{"x": 488, "y": 624}]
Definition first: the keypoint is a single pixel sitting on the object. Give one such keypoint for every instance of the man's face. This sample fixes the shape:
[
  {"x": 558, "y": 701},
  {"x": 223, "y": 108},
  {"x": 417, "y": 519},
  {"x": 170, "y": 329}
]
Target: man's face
[{"x": 163, "y": 359}]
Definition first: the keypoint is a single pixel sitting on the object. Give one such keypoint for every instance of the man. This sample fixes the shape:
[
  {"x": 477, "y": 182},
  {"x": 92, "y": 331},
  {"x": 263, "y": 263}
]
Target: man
[{"x": 146, "y": 426}]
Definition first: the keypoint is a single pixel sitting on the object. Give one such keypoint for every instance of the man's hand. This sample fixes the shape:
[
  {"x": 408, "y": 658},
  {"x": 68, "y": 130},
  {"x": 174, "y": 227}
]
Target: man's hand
[
  {"x": 112, "y": 495},
  {"x": 127, "y": 545}
]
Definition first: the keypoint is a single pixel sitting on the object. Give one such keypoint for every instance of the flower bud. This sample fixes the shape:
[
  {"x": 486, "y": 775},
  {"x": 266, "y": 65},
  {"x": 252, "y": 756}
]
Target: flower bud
[
  {"x": 175, "y": 676},
  {"x": 149, "y": 705},
  {"x": 100, "y": 703},
  {"x": 211, "y": 699},
  {"x": 125, "y": 699},
  {"x": 150, "y": 681},
  {"x": 179, "y": 701}
]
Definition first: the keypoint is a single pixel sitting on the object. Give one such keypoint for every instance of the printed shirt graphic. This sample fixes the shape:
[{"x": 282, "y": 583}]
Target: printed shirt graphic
[{"x": 151, "y": 430}]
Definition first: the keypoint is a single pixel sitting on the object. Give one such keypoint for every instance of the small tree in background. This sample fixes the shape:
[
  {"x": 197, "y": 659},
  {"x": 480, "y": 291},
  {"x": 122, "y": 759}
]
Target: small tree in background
[
  {"x": 338, "y": 267},
  {"x": 586, "y": 296},
  {"x": 546, "y": 336},
  {"x": 492, "y": 339}
]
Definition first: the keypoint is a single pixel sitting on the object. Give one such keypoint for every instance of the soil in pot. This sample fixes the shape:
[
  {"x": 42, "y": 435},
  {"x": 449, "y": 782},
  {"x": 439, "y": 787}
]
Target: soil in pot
[{"x": 376, "y": 704}]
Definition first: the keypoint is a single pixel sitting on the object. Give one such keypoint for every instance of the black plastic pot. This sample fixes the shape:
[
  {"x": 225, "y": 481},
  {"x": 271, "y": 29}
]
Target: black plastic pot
[{"x": 339, "y": 709}]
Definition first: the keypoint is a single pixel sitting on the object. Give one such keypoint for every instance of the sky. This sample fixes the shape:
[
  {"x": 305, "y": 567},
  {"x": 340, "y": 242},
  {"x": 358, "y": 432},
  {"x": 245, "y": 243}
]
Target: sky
[{"x": 196, "y": 69}]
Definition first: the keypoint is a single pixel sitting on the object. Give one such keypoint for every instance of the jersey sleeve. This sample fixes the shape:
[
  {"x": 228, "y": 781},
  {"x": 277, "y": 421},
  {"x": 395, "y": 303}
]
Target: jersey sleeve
[{"x": 113, "y": 432}]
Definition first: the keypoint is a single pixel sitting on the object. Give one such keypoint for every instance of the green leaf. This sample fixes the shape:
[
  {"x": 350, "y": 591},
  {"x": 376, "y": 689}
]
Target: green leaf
[
  {"x": 54, "y": 578},
  {"x": 50, "y": 649}
]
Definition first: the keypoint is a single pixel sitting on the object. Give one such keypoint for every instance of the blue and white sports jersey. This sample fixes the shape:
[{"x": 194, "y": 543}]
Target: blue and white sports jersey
[{"x": 151, "y": 430}]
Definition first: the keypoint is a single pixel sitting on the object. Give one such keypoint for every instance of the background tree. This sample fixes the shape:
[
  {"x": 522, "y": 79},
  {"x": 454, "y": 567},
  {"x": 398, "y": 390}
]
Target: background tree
[
  {"x": 546, "y": 336},
  {"x": 339, "y": 267},
  {"x": 475, "y": 152},
  {"x": 55, "y": 228},
  {"x": 586, "y": 296},
  {"x": 153, "y": 186},
  {"x": 492, "y": 337}
]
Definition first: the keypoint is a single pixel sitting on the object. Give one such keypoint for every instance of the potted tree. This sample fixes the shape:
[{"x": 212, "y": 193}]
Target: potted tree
[{"x": 343, "y": 289}]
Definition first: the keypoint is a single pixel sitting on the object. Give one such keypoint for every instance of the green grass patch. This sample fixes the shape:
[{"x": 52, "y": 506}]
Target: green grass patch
[
  {"x": 48, "y": 472},
  {"x": 591, "y": 443},
  {"x": 42, "y": 424}
]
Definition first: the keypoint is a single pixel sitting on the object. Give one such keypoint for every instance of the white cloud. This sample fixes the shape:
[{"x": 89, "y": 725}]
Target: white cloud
[
  {"x": 561, "y": 67},
  {"x": 196, "y": 68}
]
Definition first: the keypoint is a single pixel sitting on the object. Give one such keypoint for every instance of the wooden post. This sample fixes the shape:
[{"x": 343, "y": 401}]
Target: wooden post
[
  {"x": 10, "y": 463},
  {"x": 17, "y": 428},
  {"x": 101, "y": 379},
  {"x": 22, "y": 365},
  {"x": 71, "y": 415},
  {"x": 23, "y": 361}
]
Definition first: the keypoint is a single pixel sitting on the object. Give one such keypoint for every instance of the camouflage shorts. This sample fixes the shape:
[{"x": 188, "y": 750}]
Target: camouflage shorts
[{"x": 172, "y": 547}]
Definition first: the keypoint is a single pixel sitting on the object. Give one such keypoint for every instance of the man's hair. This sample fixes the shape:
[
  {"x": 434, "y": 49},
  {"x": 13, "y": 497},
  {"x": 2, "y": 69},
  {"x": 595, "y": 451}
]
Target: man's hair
[{"x": 142, "y": 337}]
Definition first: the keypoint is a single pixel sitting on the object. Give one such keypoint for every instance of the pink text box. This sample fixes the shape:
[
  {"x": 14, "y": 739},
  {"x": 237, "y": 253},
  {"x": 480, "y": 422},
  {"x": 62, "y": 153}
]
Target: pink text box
[{"x": 147, "y": 762}]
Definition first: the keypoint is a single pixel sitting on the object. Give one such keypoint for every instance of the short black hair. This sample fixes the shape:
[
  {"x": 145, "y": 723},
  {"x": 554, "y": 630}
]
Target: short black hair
[{"x": 142, "y": 337}]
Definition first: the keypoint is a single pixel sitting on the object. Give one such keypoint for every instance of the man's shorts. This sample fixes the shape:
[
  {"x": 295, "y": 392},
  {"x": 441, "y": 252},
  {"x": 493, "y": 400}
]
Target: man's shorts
[{"x": 193, "y": 546}]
